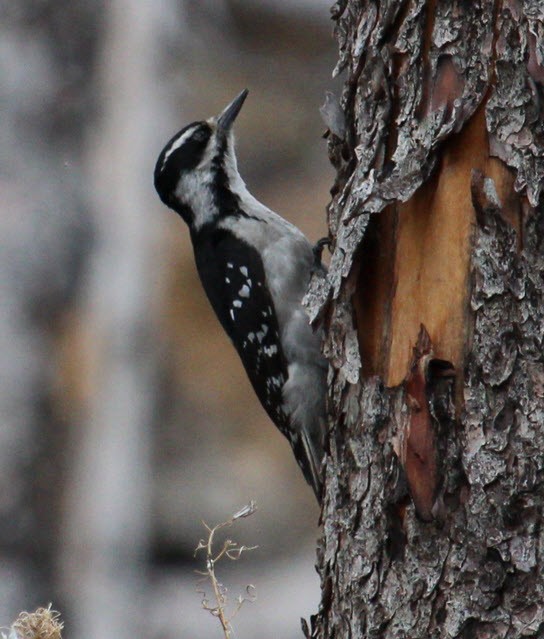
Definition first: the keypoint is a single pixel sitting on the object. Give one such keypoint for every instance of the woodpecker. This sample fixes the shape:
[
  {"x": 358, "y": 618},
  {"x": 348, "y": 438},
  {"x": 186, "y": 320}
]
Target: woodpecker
[{"x": 255, "y": 268}]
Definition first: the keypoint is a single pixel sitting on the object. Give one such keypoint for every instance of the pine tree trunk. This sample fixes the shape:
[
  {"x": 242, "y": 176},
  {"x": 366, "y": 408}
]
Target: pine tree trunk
[{"x": 434, "y": 316}]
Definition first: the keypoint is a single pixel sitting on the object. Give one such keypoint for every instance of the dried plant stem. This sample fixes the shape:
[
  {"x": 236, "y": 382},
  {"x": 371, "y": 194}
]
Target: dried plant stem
[
  {"x": 44, "y": 623},
  {"x": 231, "y": 550},
  {"x": 219, "y": 597}
]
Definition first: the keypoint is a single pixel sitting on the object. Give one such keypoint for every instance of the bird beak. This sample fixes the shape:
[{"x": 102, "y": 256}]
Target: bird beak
[{"x": 229, "y": 113}]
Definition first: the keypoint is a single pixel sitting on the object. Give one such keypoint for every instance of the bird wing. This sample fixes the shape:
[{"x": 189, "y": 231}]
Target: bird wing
[{"x": 235, "y": 283}]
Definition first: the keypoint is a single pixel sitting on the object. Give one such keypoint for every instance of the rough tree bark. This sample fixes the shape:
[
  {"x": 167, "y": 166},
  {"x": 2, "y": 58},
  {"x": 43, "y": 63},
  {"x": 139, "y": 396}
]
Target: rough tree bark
[{"x": 434, "y": 315}]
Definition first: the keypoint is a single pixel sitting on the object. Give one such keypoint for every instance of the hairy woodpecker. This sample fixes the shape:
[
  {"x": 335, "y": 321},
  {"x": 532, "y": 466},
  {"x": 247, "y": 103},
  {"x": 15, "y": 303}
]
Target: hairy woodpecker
[{"x": 255, "y": 268}]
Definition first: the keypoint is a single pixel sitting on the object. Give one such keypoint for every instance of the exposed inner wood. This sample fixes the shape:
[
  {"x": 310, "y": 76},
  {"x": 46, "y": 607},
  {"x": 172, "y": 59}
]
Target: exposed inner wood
[
  {"x": 372, "y": 301},
  {"x": 416, "y": 261}
]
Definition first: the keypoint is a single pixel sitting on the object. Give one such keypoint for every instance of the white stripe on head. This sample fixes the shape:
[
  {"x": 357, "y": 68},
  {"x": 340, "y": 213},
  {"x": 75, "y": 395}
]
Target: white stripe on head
[
  {"x": 178, "y": 143},
  {"x": 211, "y": 149}
]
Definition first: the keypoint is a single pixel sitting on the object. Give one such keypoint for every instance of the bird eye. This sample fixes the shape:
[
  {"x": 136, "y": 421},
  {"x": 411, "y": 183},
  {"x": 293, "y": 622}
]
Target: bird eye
[{"x": 199, "y": 135}]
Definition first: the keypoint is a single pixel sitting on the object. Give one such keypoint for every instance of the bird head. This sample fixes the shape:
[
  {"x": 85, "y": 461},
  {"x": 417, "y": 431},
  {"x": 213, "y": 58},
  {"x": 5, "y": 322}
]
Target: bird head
[{"x": 193, "y": 164}]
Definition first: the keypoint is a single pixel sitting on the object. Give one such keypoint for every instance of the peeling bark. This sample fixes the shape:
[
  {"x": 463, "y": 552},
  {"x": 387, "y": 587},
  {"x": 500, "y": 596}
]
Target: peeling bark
[{"x": 434, "y": 484}]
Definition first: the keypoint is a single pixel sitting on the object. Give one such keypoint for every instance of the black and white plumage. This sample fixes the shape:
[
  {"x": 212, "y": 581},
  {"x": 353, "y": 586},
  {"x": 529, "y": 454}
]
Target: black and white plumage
[{"x": 255, "y": 268}]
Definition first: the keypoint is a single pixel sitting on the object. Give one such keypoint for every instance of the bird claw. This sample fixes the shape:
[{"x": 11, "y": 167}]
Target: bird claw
[{"x": 318, "y": 250}]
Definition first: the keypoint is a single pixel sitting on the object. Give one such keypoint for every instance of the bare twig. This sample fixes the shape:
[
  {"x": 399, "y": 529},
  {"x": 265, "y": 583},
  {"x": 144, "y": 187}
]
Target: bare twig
[{"x": 233, "y": 551}]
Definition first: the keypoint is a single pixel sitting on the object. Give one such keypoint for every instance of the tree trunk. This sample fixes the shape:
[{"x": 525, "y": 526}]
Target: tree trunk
[
  {"x": 103, "y": 567},
  {"x": 434, "y": 316}
]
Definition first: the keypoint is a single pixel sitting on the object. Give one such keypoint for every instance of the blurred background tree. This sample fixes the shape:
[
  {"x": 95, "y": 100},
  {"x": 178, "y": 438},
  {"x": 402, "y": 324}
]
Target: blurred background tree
[{"x": 126, "y": 416}]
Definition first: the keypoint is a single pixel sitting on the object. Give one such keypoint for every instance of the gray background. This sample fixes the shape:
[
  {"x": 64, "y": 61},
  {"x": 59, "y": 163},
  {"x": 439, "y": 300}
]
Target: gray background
[{"x": 126, "y": 418}]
